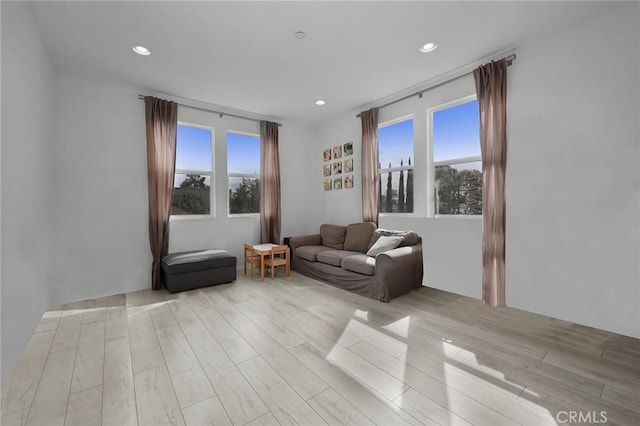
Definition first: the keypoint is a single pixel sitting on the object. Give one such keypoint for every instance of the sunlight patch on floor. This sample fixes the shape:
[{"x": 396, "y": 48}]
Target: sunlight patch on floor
[
  {"x": 71, "y": 312},
  {"x": 449, "y": 347},
  {"x": 389, "y": 385},
  {"x": 51, "y": 314},
  {"x": 400, "y": 327},
  {"x": 133, "y": 311},
  {"x": 469, "y": 374},
  {"x": 363, "y": 315}
]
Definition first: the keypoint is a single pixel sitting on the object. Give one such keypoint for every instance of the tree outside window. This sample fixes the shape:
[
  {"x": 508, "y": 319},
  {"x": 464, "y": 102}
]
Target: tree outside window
[
  {"x": 243, "y": 167},
  {"x": 194, "y": 171},
  {"x": 456, "y": 158},
  {"x": 395, "y": 171}
]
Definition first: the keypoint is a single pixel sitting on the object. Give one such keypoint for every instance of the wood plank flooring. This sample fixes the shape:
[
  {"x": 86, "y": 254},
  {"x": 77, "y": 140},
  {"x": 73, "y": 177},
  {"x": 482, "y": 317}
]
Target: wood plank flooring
[{"x": 296, "y": 351}]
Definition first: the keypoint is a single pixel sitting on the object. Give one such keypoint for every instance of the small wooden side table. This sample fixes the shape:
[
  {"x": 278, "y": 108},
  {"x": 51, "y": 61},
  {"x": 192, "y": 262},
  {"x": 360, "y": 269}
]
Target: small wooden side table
[{"x": 262, "y": 250}]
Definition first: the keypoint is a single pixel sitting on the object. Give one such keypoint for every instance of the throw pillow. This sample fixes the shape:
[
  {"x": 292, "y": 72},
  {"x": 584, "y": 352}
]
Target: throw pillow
[
  {"x": 383, "y": 244},
  {"x": 410, "y": 237}
]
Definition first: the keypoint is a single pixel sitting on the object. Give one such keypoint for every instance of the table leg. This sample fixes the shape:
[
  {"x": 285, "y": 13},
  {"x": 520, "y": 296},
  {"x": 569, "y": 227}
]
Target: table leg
[
  {"x": 288, "y": 266},
  {"x": 261, "y": 267}
]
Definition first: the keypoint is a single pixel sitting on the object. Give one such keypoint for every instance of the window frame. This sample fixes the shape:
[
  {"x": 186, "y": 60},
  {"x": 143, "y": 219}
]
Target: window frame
[
  {"x": 211, "y": 174},
  {"x": 382, "y": 170},
  {"x": 431, "y": 165},
  {"x": 240, "y": 175}
]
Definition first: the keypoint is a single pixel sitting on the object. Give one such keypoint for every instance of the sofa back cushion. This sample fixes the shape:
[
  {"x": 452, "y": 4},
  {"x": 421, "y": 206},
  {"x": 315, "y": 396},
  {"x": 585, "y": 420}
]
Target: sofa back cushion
[
  {"x": 333, "y": 236},
  {"x": 358, "y": 236},
  {"x": 410, "y": 238}
]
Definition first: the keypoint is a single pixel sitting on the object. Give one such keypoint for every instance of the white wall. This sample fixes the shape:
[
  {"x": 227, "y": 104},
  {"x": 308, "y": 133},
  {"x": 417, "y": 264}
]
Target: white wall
[
  {"x": 341, "y": 206},
  {"x": 448, "y": 243},
  {"x": 221, "y": 230},
  {"x": 99, "y": 213},
  {"x": 230, "y": 231},
  {"x": 27, "y": 134},
  {"x": 299, "y": 205},
  {"x": 74, "y": 192},
  {"x": 573, "y": 177}
]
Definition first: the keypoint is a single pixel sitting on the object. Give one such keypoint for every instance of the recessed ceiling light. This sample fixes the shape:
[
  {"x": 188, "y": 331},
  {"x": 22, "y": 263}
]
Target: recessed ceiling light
[
  {"x": 299, "y": 34},
  {"x": 320, "y": 102},
  {"x": 141, "y": 50},
  {"x": 428, "y": 47}
]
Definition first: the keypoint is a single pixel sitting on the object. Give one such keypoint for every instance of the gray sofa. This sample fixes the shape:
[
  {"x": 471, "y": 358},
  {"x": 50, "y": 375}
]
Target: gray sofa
[{"x": 338, "y": 256}]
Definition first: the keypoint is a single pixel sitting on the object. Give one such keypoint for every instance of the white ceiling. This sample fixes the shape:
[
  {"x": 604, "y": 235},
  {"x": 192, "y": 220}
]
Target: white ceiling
[{"x": 244, "y": 54}]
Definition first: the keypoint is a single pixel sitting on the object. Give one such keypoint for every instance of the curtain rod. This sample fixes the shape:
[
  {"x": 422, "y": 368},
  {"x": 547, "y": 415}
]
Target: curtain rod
[
  {"x": 220, "y": 113},
  {"x": 509, "y": 59}
]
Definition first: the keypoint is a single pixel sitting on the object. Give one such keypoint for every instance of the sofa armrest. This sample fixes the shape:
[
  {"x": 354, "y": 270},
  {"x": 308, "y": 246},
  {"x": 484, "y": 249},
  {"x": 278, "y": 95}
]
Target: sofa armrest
[
  {"x": 304, "y": 240},
  {"x": 399, "y": 257},
  {"x": 400, "y": 269}
]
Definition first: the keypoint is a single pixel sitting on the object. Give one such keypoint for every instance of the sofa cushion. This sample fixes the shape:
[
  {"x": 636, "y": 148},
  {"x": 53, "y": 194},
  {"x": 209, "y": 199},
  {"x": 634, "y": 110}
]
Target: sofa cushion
[
  {"x": 358, "y": 236},
  {"x": 333, "y": 236},
  {"x": 383, "y": 244},
  {"x": 310, "y": 253},
  {"x": 410, "y": 238},
  {"x": 360, "y": 263},
  {"x": 334, "y": 257}
]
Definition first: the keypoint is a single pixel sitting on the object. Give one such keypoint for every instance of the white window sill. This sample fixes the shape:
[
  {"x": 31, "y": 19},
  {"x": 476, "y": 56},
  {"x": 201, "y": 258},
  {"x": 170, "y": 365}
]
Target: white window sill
[
  {"x": 458, "y": 216},
  {"x": 398, "y": 215},
  {"x": 182, "y": 217},
  {"x": 242, "y": 215}
]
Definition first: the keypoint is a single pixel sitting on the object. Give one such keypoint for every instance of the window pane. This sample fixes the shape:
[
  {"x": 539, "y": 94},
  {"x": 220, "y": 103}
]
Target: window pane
[
  {"x": 243, "y": 154},
  {"x": 244, "y": 195},
  {"x": 396, "y": 192},
  {"x": 456, "y": 132},
  {"x": 191, "y": 194},
  {"x": 193, "y": 149},
  {"x": 458, "y": 189},
  {"x": 395, "y": 144}
]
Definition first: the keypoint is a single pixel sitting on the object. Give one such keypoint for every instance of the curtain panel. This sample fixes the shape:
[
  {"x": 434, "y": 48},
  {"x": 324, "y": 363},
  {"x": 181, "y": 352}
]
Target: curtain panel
[
  {"x": 269, "y": 183},
  {"x": 370, "y": 181},
  {"x": 491, "y": 88},
  {"x": 161, "y": 118}
]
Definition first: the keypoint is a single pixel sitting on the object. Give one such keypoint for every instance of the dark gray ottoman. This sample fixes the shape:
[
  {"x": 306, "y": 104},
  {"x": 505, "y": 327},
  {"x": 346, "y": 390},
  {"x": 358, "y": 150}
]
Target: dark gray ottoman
[{"x": 199, "y": 268}]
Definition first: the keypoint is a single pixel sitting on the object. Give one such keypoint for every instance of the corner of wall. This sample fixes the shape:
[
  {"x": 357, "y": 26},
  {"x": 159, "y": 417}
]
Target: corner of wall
[{"x": 27, "y": 128}]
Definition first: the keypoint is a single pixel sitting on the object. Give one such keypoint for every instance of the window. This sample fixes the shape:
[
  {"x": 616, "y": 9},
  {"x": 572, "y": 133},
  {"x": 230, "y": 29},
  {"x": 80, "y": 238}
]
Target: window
[
  {"x": 192, "y": 182},
  {"x": 456, "y": 158},
  {"x": 243, "y": 167},
  {"x": 395, "y": 149}
]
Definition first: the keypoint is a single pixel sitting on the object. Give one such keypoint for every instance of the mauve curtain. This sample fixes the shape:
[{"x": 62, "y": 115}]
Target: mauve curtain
[
  {"x": 491, "y": 87},
  {"x": 269, "y": 183},
  {"x": 370, "y": 183},
  {"x": 162, "y": 122}
]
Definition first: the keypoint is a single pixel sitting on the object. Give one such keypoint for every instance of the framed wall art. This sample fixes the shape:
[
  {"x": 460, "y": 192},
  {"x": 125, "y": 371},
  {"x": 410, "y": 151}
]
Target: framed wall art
[
  {"x": 337, "y": 168},
  {"x": 337, "y": 151},
  {"x": 334, "y": 167},
  {"x": 337, "y": 183},
  {"x": 348, "y": 149},
  {"x": 348, "y": 181},
  {"x": 348, "y": 165},
  {"x": 327, "y": 184}
]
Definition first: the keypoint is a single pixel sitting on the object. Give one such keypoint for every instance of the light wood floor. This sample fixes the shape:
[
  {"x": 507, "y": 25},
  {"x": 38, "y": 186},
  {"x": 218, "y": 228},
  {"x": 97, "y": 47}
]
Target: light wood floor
[{"x": 295, "y": 351}]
